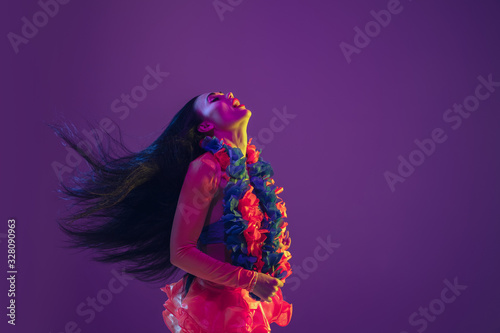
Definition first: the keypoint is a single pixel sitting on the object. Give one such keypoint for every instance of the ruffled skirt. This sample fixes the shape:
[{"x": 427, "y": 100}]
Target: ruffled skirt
[{"x": 213, "y": 308}]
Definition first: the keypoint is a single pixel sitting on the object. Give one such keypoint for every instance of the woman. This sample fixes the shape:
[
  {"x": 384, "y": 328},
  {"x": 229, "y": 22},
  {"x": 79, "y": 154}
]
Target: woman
[{"x": 201, "y": 199}]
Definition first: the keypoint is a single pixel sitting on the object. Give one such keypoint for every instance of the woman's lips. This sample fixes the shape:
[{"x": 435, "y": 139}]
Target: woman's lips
[{"x": 236, "y": 104}]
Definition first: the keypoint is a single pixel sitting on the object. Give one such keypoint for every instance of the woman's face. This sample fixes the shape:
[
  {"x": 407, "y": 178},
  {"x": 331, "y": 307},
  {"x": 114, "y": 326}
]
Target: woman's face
[{"x": 221, "y": 111}]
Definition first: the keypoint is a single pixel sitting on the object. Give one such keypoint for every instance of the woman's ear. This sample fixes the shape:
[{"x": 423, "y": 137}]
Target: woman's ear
[{"x": 205, "y": 126}]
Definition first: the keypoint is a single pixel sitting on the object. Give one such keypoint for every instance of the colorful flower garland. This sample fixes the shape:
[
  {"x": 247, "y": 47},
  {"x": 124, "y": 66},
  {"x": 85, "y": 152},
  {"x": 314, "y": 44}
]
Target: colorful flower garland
[{"x": 253, "y": 225}]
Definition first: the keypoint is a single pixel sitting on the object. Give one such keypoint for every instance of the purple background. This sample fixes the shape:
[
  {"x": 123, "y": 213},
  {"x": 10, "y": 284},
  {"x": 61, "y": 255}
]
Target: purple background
[{"x": 352, "y": 121}]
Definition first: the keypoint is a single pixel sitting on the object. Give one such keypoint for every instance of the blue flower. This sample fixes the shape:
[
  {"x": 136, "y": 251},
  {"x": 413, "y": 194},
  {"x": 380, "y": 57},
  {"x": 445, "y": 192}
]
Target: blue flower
[
  {"x": 245, "y": 261},
  {"x": 211, "y": 144},
  {"x": 236, "y": 171},
  {"x": 234, "y": 153},
  {"x": 261, "y": 169}
]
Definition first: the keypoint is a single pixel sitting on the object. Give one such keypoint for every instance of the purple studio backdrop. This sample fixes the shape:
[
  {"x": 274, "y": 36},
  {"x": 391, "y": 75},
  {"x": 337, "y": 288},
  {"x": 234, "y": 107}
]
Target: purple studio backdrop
[{"x": 381, "y": 120}]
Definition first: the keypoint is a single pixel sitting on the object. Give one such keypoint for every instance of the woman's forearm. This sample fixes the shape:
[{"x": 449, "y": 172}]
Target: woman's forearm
[{"x": 190, "y": 259}]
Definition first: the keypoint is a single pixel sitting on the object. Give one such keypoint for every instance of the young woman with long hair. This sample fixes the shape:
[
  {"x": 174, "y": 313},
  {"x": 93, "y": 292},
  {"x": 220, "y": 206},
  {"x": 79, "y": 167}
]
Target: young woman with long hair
[{"x": 198, "y": 199}]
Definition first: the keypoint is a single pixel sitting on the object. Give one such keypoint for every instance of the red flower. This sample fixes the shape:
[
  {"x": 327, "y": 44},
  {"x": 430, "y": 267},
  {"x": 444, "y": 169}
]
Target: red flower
[
  {"x": 259, "y": 264},
  {"x": 223, "y": 158}
]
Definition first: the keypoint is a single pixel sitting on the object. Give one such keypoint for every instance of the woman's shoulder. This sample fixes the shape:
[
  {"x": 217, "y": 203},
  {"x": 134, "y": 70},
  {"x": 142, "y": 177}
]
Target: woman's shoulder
[
  {"x": 205, "y": 171},
  {"x": 206, "y": 159},
  {"x": 208, "y": 167},
  {"x": 206, "y": 163}
]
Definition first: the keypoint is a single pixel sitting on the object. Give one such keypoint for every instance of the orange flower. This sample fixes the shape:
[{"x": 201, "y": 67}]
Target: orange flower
[
  {"x": 285, "y": 265},
  {"x": 282, "y": 246},
  {"x": 281, "y": 206},
  {"x": 252, "y": 153},
  {"x": 278, "y": 190},
  {"x": 254, "y": 238},
  {"x": 250, "y": 211},
  {"x": 249, "y": 208}
]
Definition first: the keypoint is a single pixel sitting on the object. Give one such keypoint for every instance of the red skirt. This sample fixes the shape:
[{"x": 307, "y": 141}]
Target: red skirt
[{"x": 213, "y": 308}]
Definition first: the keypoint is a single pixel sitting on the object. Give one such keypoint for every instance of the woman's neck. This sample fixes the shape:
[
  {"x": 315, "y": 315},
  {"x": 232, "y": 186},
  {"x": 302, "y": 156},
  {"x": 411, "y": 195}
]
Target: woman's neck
[{"x": 236, "y": 138}]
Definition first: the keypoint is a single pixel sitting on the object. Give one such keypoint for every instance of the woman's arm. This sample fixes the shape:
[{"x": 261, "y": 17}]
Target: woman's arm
[{"x": 198, "y": 189}]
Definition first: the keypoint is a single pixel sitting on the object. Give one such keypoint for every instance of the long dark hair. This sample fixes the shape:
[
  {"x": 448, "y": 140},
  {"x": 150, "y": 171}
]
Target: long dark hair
[{"x": 127, "y": 204}]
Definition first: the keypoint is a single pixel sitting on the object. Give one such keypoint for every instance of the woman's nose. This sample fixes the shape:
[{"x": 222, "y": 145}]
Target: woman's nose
[{"x": 230, "y": 95}]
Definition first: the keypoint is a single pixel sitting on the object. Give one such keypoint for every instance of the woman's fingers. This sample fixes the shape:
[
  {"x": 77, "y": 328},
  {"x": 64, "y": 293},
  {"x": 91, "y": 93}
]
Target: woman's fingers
[
  {"x": 275, "y": 290},
  {"x": 267, "y": 287},
  {"x": 270, "y": 298}
]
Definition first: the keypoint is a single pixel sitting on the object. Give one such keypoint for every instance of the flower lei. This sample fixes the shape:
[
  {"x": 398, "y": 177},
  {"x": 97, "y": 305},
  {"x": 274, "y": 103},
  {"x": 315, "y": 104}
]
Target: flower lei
[{"x": 253, "y": 225}]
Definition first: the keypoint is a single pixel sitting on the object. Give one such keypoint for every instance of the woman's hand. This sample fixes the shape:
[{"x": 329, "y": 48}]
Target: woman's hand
[{"x": 266, "y": 286}]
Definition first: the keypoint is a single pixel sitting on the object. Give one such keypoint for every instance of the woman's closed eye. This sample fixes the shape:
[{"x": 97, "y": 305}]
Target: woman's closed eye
[{"x": 214, "y": 99}]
